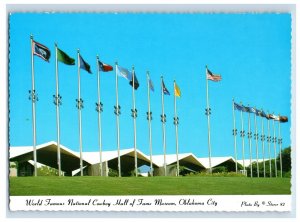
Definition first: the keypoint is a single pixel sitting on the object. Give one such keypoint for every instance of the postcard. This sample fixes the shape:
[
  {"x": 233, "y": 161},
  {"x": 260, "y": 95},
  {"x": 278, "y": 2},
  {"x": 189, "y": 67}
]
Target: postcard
[{"x": 150, "y": 111}]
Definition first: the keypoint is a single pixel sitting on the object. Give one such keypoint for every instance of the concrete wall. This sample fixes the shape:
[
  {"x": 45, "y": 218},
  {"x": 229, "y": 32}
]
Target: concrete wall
[
  {"x": 171, "y": 171},
  {"x": 94, "y": 170},
  {"x": 13, "y": 171}
]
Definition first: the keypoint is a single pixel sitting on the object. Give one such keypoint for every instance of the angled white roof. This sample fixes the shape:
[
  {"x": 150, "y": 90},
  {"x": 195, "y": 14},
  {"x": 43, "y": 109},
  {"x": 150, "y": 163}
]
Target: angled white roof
[
  {"x": 172, "y": 158},
  {"x": 94, "y": 157},
  {"x": 215, "y": 161},
  {"x": 20, "y": 150}
]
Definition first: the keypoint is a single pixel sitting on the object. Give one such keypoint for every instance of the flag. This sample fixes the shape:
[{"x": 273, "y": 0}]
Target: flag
[
  {"x": 238, "y": 107},
  {"x": 272, "y": 116},
  {"x": 123, "y": 72},
  {"x": 151, "y": 85},
  {"x": 213, "y": 77},
  {"x": 104, "y": 67},
  {"x": 177, "y": 90},
  {"x": 241, "y": 107},
  {"x": 165, "y": 90},
  {"x": 84, "y": 65},
  {"x": 41, "y": 51},
  {"x": 251, "y": 110},
  {"x": 283, "y": 119},
  {"x": 136, "y": 82},
  {"x": 261, "y": 113},
  {"x": 64, "y": 58}
]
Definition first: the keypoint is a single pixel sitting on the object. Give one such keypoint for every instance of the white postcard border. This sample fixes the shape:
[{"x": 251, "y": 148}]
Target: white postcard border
[{"x": 183, "y": 203}]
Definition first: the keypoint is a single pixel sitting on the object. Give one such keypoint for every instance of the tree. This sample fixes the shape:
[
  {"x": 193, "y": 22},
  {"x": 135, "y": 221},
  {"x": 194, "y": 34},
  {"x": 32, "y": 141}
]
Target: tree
[
  {"x": 47, "y": 171},
  {"x": 286, "y": 159},
  {"x": 286, "y": 165}
]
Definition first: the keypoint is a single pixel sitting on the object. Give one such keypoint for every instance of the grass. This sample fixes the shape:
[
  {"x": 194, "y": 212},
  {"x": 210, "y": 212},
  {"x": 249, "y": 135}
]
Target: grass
[{"x": 89, "y": 185}]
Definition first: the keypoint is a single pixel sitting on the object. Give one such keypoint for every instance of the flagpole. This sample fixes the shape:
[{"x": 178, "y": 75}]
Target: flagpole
[
  {"x": 118, "y": 112},
  {"x": 269, "y": 145},
  {"x": 280, "y": 145},
  {"x": 256, "y": 144},
  {"x": 134, "y": 115},
  {"x": 34, "y": 99},
  {"x": 163, "y": 120},
  {"x": 250, "y": 143},
  {"x": 176, "y": 122},
  {"x": 234, "y": 132},
  {"x": 149, "y": 118},
  {"x": 57, "y": 102},
  {"x": 99, "y": 109},
  {"x": 79, "y": 107},
  {"x": 274, "y": 143},
  {"x": 263, "y": 144},
  {"x": 243, "y": 140},
  {"x": 208, "y": 112}
]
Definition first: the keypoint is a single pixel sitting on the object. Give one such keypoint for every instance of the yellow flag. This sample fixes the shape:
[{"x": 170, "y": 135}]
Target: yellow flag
[{"x": 177, "y": 91}]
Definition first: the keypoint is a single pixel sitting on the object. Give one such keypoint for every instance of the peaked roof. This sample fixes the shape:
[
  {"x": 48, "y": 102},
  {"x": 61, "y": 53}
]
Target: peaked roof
[
  {"x": 215, "y": 161},
  {"x": 47, "y": 155},
  {"x": 172, "y": 158},
  {"x": 15, "y": 151},
  {"x": 94, "y": 157}
]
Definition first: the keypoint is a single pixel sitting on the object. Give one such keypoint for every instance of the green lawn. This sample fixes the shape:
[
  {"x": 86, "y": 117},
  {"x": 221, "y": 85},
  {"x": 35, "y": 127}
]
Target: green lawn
[{"x": 147, "y": 186}]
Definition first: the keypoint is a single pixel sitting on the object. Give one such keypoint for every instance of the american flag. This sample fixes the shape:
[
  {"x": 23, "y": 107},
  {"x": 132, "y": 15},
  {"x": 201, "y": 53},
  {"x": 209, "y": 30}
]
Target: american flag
[{"x": 213, "y": 77}]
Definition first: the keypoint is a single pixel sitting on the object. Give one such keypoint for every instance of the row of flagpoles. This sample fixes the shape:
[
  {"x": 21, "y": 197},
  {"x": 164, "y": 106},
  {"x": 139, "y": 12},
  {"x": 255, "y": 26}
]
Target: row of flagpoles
[
  {"x": 43, "y": 52},
  {"x": 257, "y": 112}
]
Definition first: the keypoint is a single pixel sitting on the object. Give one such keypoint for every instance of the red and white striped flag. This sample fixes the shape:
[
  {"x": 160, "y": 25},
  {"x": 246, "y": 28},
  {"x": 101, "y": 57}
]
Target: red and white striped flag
[{"x": 213, "y": 77}]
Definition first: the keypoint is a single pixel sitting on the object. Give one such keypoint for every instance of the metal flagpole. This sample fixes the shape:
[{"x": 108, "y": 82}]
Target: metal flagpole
[
  {"x": 118, "y": 112},
  {"x": 234, "y": 132},
  {"x": 263, "y": 144},
  {"x": 176, "y": 122},
  {"x": 250, "y": 144},
  {"x": 274, "y": 143},
  {"x": 163, "y": 120},
  {"x": 134, "y": 115},
  {"x": 149, "y": 118},
  {"x": 34, "y": 98},
  {"x": 280, "y": 145},
  {"x": 243, "y": 140},
  {"x": 79, "y": 106},
  {"x": 207, "y": 113},
  {"x": 57, "y": 102},
  {"x": 256, "y": 144},
  {"x": 99, "y": 109},
  {"x": 269, "y": 146}
]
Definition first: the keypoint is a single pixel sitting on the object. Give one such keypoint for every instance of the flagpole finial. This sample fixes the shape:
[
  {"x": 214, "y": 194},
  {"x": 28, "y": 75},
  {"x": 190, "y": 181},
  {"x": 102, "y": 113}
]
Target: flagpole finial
[
  {"x": 161, "y": 77},
  {"x": 77, "y": 50},
  {"x": 55, "y": 44},
  {"x": 116, "y": 62},
  {"x": 132, "y": 67},
  {"x": 97, "y": 56},
  {"x": 31, "y": 36},
  {"x": 205, "y": 66}
]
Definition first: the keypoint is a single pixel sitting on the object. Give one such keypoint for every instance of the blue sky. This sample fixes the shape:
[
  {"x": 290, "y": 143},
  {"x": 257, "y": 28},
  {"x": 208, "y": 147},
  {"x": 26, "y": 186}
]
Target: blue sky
[{"x": 252, "y": 52}]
